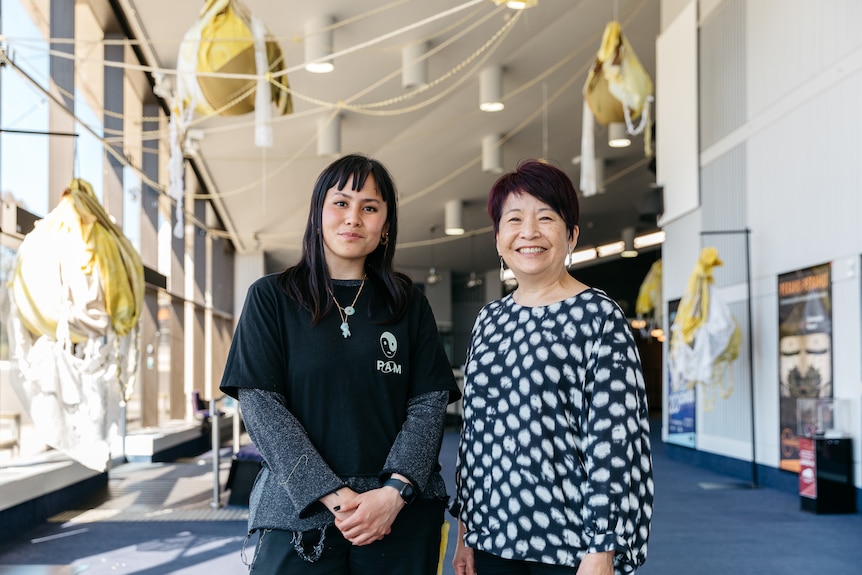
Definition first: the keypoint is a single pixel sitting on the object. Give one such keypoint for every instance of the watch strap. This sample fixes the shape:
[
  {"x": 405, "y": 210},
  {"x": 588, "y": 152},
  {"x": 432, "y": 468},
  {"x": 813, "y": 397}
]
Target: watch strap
[{"x": 405, "y": 490}]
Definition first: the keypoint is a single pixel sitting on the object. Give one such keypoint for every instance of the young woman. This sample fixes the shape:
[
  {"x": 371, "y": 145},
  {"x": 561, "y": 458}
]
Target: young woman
[{"x": 343, "y": 385}]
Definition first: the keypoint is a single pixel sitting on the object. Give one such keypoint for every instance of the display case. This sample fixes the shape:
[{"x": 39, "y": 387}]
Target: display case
[{"x": 822, "y": 417}]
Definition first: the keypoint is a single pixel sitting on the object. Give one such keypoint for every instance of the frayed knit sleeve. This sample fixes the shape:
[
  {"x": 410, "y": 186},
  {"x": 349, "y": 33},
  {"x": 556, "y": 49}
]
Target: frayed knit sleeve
[
  {"x": 415, "y": 451},
  {"x": 287, "y": 450}
]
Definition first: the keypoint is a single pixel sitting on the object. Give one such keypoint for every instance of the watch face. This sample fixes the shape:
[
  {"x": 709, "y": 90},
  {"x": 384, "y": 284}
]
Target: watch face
[
  {"x": 408, "y": 494},
  {"x": 405, "y": 490}
]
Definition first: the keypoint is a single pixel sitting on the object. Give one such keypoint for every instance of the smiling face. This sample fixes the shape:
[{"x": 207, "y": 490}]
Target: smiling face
[
  {"x": 532, "y": 238},
  {"x": 352, "y": 223}
]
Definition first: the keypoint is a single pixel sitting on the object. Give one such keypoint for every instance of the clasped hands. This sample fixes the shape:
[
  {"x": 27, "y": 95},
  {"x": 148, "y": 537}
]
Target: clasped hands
[{"x": 364, "y": 518}]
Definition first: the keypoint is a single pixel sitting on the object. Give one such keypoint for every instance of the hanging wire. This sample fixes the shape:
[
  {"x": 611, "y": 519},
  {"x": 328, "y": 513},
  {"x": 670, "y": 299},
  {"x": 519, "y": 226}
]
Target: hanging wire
[
  {"x": 5, "y": 60},
  {"x": 238, "y": 76},
  {"x": 545, "y": 120},
  {"x": 157, "y": 134},
  {"x": 263, "y": 179}
]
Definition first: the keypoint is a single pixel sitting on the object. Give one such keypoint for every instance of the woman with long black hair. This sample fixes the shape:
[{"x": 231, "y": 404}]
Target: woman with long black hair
[{"x": 343, "y": 385}]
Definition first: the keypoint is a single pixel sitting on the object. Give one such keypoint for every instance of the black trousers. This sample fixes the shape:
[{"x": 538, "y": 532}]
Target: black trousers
[
  {"x": 412, "y": 548},
  {"x": 488, "y": 564}
]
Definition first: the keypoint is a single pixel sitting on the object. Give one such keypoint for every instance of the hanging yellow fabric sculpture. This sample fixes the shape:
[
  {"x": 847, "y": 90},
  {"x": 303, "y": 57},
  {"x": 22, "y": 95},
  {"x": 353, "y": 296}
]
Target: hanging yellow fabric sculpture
[
  {"x": 77, "y": 265},
  {"x": 77, "y": 291},
  {"x": 705, "y": 337},
  {"x": 618, "y": 89},
  {"x": 222, "y": 40},
  {"x": 649, "y": 300},
  {"x": 617, "y": 82},
  {"x": 226, "y": 38}
]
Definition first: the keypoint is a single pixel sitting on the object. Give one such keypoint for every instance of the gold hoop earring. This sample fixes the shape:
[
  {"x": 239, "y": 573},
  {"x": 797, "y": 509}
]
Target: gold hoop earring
[{"x": 384, "y": 239}]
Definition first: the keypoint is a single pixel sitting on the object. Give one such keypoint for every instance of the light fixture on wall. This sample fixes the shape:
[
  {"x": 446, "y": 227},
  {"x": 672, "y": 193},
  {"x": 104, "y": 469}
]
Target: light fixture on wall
[
  {"x": 581, "y": 256},
  {"x": 618, "y": 137},
  {"x": 433, "y": 277},
  {"x": 491, "y": 89},
  {"x": 629, "y": 250},
  {"x": 318, "y": 44},
  {"x": 517, "y": 4},
  {"x": 616, "y": 248},
  {"x": 492, "y": 154},
  {"x": 650, "y": 239},
  {"x": 610, "y": 249},
  {"x": 329, "y": 136},
  {"x": 453, "y": 218},
  {"x": 414, "y": 66},
  {"x": 474, "y": 280}
]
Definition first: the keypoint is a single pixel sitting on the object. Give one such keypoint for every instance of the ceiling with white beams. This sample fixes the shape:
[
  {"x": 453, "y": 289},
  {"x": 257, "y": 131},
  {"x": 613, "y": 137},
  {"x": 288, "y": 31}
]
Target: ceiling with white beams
[{"x": 430, "y": 139}]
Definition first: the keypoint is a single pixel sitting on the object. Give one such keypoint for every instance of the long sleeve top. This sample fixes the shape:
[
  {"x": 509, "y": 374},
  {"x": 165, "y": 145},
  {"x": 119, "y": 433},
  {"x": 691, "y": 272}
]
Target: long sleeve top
[
  {"x": 326, "y": 410},
  {"x": 294, "y": 475},
  {"x": 554, "y": 460}
]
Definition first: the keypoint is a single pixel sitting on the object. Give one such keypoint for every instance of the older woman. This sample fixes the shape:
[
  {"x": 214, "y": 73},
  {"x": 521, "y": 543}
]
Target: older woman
[{"x": 554, "y": 471}]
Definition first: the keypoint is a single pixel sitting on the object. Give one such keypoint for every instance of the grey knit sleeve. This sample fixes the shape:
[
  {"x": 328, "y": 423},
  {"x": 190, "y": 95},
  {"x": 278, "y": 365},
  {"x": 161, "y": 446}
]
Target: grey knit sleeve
[
  {"x": 416, "y": 450},
  {"x": 286, "y": 448}
]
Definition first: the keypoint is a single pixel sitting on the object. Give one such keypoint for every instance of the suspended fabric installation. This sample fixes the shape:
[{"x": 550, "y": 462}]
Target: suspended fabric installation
[
  {"x": 76, "y": 295},
  {"x": 705, "y": 337},
  {"x": 189, "y": 114},
  {"x": 648, "y": 305},
  {"x": 618, "y": 89},
  {"x": 225, "y": 39}
]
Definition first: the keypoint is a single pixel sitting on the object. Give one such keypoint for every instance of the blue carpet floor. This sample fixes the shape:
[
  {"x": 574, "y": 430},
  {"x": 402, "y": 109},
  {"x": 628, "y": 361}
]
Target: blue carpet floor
[{"x": 702, "y": 525}]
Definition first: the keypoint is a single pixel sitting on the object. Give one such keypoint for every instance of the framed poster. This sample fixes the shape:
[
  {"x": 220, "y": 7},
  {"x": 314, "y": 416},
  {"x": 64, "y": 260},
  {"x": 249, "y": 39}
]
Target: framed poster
[
  {"x": 680, "y": 400},
  {"x": 804, "y": 349}
]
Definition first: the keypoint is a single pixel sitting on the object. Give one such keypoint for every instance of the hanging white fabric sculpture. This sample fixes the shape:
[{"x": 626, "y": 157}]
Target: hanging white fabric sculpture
[
  {"x": 705, "y": 338},
  {"x": 77, "y": 291}
]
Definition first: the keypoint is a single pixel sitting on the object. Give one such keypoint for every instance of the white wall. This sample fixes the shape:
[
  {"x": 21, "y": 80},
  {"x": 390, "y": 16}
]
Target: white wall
[{"x": 802, "y": 179}]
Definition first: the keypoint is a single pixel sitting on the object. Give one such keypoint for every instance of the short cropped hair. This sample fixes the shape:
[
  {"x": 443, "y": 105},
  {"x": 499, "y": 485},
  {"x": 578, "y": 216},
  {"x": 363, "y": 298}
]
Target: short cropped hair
[{"x": 544, "y": 182}]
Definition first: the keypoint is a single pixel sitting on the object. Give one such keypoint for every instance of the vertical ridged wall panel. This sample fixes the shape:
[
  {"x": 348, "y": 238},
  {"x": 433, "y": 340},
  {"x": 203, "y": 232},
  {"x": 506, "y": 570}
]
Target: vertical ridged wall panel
[
  {"x": 723, "y": 198},
  {"x": 722, "y": 70}
]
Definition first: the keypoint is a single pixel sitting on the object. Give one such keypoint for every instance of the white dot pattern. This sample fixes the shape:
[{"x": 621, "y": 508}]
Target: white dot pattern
[{"x": 554, "y": 460}]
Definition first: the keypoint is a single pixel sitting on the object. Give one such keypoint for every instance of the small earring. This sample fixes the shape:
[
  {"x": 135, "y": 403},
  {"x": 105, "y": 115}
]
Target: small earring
[
  {"x": 502, "y": 270},
  {"x": 384, "y": 239}
]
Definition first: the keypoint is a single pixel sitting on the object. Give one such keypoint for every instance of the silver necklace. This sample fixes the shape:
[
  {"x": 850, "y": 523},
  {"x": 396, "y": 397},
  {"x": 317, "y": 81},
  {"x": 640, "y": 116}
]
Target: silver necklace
[{"x": 346, "y": 312}]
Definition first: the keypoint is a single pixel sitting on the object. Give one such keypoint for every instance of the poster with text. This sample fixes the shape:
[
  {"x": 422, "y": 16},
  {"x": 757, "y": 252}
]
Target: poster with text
[
  {"x": 804, "y": 349},
  {"x": 680, "y": 400}
]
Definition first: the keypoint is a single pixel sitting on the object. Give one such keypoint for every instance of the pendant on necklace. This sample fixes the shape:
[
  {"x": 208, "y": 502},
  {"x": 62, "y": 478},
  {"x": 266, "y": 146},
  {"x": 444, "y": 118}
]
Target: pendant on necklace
[
  {"x": 349, "y": 310},
  {"x": 345, "y": 329}
]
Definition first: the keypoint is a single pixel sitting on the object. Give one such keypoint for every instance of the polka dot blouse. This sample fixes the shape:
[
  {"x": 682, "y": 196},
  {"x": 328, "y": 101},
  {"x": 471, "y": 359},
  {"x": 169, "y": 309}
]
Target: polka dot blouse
[{"x": 554, "y": 460}]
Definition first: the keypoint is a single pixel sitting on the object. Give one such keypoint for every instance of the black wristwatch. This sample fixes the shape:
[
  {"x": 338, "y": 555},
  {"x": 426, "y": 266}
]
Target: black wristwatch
[{"x": 405, "y": 490}]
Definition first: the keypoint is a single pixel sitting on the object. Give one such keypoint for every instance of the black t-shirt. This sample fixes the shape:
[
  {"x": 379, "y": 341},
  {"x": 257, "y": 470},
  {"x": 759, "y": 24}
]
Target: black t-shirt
[{"x": 350, "y": 394}]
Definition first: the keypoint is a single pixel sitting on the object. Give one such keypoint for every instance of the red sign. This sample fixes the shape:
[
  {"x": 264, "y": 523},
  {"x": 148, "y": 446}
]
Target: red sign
[{"x": 807, "y": 468}]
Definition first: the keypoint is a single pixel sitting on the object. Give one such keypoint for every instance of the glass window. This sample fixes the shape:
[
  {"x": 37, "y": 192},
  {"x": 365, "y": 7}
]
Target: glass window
[
  {"x": 24, "y": 112},
  {"x": 132, "y": 206}
]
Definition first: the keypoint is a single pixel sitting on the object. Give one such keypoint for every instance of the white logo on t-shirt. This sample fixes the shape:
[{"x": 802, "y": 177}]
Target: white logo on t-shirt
[{"x": 388, "y": 344}]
